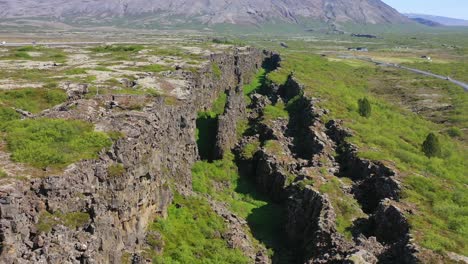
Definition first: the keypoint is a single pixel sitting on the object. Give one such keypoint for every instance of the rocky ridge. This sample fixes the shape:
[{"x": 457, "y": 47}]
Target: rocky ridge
[
  {"x": 307, "y": 145},
  {"x": 157, "y": 151}
]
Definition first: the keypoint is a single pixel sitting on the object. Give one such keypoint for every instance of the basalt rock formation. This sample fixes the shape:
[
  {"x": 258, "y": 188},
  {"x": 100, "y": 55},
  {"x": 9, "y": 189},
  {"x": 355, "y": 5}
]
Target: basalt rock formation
[
  {"x": 157, "y": 150},
  {"x": 305, "y": 144}
]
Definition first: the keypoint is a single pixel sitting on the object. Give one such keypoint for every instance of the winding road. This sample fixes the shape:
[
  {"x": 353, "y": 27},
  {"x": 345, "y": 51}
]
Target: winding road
[{"x": 426, "y": 73}]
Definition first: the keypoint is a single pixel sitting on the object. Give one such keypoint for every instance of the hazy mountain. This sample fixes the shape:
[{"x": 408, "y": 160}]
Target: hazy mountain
[
  {"x": 446, "y": 21},
  {"x": 208, "y": 11}
]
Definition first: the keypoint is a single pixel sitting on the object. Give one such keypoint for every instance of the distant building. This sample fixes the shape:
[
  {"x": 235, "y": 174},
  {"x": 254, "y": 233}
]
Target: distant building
[
  {"x": 364, "y": 36},
  {"x": 362, "y": 49}
]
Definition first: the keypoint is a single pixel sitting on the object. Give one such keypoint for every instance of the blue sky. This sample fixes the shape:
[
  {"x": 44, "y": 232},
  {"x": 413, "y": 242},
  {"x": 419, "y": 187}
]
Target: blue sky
[{"x": 450, "y": 8}]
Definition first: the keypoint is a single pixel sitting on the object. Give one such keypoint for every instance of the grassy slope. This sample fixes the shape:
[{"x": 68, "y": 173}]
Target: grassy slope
[
  {"x": 437, "y": 187},
  {"x": 53, "y": 142}
]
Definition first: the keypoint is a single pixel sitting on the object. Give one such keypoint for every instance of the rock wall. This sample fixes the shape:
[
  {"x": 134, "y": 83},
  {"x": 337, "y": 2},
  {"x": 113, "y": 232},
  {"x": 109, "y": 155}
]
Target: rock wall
[
  {"x": 157, "y": 151},
  {"x": 304, "y": 146}
]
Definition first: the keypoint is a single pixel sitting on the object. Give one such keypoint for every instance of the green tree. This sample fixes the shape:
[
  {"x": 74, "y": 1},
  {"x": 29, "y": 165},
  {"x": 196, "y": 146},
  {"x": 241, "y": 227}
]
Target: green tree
[
  {"x": 431, "y": 146},
  {"x": 365, "y": 108}
]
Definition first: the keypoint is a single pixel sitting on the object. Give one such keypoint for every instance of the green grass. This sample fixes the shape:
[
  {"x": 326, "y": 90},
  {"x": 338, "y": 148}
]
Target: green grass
[
  {"x": 250, "y": 149},
  {"x": 456, "y": 70},
  {"x": 71, "y": 220},
  {"x": 33, "y": 100},
  {"x": 192, "y": 234},
  {"x": 151, "y": 68},
  {"x": 118, "y": 52},
  {"x": 7, "y": 114},
  {"x": 264, "y": 218},
  {"x": 257, "y": 82},
  {"x": 118, "y": 49},
  {"x": 53, "y": 142},
  {"x": 44, "y": 54},
  {"x": 216, "y": 70},
  {"x": 436, "y": 186},
  {"x": 76, "y": 71},
  {"x": 274, "y": 112},
  {"x": 347, "y": 209}
]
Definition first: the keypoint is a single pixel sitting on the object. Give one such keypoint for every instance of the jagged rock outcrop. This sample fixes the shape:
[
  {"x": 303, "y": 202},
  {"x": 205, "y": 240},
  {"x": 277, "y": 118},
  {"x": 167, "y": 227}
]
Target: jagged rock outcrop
[
  {"x": 303, "y": 146},
  {"x": 157, "y": 149}
]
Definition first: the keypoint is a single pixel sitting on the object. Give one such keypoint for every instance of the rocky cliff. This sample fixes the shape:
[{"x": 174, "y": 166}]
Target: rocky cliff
[{"x": 97, "y": 211}]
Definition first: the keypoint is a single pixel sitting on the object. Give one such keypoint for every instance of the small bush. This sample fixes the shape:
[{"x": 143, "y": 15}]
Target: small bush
[
  {"x": 454, "y": 132},
  {"x": 431, "y": 146},
  {"x": 116, "y": 170},
  {"x": 3, "y": 174},
  {"x": 365, "y": 108}
]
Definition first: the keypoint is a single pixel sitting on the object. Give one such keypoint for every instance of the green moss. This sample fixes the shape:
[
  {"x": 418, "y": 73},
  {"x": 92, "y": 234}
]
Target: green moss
[{"x": 51, "y": 142}]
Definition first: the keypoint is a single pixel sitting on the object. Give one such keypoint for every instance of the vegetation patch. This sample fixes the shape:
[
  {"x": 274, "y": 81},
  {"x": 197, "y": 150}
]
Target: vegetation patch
[
  {"x": 116, "y": 170},
  {"x": 346, "y": 207},
  {"x": 274, "y": 112},
  {"x": 72, "y": 220},
  {"x": 151, "y": 68},
  {"x": 53, "y": 142},
  {"x": 192, "y": 234},
  {"x": 33, "y": 100},
  {"x": 265, "y": 219},
  {"x": 44, "y": 54},
  {"x": 216, "y": 70}
]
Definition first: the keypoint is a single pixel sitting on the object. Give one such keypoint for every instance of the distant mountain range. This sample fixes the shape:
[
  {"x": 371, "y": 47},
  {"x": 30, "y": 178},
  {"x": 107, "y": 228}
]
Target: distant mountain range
[
  {"x": 207, "y": 11},
  {"x": 431, "y": 20}
]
